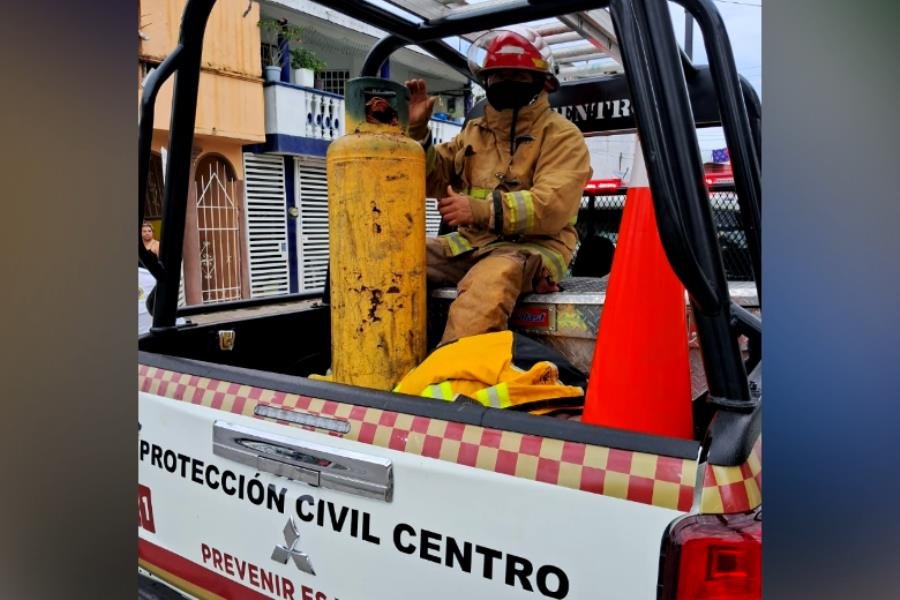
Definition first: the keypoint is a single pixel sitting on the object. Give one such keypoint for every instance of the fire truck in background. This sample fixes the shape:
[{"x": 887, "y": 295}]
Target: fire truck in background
[{"x": 257, "y": 479}]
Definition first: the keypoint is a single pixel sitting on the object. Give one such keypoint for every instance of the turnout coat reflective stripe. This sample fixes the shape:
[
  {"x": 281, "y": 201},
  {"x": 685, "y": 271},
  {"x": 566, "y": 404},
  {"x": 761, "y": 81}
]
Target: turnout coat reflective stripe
[{"x": 530, "y": 196}]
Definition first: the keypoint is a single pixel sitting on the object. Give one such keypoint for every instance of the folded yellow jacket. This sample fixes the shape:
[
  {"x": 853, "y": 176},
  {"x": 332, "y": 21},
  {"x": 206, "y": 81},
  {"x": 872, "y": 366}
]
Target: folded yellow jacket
[{"x": 481, "y": 367}]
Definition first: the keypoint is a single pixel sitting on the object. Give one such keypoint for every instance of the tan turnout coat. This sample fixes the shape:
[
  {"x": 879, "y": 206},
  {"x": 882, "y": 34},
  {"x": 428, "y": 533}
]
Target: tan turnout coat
[{"x": 530, "y": 198}]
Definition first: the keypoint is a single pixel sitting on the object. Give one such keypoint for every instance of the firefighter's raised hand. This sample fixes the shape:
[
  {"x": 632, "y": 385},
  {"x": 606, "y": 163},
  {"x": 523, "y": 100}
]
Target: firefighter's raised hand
[
  {"x": 420, "y": 107},
  {"x": 456, "y": 209}
]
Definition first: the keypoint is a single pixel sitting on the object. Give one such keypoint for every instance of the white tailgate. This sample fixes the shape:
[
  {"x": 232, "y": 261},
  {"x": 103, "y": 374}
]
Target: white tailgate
[{"x": 518, "y": 533}]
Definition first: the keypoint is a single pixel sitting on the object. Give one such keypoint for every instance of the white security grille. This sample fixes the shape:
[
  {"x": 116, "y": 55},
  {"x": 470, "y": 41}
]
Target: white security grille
[
  {"x": 312, "y": 226},
  {"x": 432, "y": 217},
  {"x": 181, "y": 298},
  {"x": 267, "y": 245}
]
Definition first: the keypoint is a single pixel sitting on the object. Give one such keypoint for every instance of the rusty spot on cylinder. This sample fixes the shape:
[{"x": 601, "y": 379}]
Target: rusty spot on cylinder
[
  {"x": 397, "y": 176},
  {"x": 393, "y": 290},
  {"x": 377, "y": 228},
  {"x": 374, "y": 303},
  {"x": 375, "y": 209},
  {"x": 409, "y": 218}
]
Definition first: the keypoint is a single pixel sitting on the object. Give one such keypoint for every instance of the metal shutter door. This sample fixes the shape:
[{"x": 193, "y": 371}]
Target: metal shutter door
[
  {"x": 312, "y": 230},
  {"x": 266, "y": 225}
]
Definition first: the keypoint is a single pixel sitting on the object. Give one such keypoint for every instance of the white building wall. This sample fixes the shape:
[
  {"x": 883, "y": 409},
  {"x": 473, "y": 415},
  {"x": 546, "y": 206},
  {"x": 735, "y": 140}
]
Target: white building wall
[{"x": 611, "y": 155}]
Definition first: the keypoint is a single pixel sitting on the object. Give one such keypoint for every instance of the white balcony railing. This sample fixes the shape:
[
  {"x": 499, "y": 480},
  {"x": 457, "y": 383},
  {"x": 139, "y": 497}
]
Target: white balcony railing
[
  {"x": 307, "y": 113},
  {"x": 443, "y": 131},
  {"x": 303, "y": 112}
]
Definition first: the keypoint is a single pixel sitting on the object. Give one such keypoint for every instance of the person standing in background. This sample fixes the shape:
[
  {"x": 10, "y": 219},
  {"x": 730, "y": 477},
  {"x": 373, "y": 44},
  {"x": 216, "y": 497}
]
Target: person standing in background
[{"x": 150, "y": 243}]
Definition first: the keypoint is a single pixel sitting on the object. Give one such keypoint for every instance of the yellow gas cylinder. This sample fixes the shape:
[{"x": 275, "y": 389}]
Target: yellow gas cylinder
[{"x": 376, "y": 207}]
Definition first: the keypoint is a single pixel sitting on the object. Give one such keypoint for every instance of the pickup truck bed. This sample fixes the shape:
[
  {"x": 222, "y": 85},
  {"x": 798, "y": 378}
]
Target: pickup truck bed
[{"x": 484, "y": 502}]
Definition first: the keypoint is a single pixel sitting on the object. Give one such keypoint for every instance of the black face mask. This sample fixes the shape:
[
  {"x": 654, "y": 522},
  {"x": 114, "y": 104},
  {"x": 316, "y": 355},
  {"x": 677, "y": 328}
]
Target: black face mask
[{"x": 512, "y": 94}]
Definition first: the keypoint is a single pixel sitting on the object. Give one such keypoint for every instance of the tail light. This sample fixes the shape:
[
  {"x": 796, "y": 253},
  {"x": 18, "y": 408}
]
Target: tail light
[{"x": 712, "y": 557}]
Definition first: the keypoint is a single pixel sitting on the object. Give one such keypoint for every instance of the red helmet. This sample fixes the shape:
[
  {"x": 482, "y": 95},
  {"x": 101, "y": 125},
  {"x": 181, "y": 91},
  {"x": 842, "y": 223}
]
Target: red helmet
[{"x": 512, "y": 48}]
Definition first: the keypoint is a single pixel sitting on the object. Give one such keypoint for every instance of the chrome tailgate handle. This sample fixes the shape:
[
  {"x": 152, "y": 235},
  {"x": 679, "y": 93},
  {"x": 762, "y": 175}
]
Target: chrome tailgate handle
[{"x": 315, "y": 464}]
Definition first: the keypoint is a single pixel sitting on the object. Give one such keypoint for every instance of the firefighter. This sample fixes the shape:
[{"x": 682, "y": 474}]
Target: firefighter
[{"x": 511, "y": 182}]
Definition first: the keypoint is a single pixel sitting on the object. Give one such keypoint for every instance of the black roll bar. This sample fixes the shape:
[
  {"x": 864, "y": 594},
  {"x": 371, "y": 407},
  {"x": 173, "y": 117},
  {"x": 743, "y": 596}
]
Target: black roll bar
[
  {"x": 754, "y": 113},
  {"x": 675, "y": 170},
  {"x": 743, "y": 148},
  {"x": 476, "y": 19},
  {"x": 751, "y": 101},
  {"x": 185, "y": 62},
  {"x": 438, "y": 48},
  {"x": 380, "y": 53},
  {"x": 511, "y": 13},
  {"x": 152, "y": 85},
  {"x": 375, "y": 16}
]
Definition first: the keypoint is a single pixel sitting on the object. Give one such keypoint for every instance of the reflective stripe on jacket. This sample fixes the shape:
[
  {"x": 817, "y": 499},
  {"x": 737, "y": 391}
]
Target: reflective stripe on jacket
[{"x": 531, "y": 197}]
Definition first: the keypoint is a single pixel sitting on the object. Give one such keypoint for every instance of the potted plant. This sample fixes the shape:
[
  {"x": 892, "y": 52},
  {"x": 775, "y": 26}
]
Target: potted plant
[
  {"x": 306, "y": 64},
  {"x": 276, "y": 36}
]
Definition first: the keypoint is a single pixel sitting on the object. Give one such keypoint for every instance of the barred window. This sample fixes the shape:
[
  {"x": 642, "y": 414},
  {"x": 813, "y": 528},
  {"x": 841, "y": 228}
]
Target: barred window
[{"x": 333, "y": 80}]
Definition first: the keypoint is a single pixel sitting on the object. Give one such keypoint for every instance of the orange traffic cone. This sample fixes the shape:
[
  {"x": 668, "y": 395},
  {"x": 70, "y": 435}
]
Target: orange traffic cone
[{"x": 640, "y": 375}]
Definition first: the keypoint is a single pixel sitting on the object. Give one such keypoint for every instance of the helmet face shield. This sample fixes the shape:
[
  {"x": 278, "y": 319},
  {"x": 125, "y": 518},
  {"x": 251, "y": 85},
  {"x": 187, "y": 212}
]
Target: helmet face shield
[{"x": 516, "y": 48}]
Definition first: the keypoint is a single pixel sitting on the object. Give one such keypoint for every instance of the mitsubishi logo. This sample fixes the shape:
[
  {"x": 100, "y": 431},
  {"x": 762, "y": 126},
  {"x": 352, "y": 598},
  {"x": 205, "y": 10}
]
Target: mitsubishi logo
[{"x": 282, "y": 553}]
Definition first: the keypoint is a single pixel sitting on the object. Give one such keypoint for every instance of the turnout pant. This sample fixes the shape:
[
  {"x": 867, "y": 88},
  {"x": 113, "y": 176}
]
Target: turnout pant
[{"x": 488, "y": 285}]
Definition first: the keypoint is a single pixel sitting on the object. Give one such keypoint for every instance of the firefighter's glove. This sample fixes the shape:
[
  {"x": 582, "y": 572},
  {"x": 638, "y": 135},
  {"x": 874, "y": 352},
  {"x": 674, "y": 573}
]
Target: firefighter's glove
[
  {"x": 420, "y": 106},
  {"x": 457, "y": 209},
  {"x": 543, "y": 282}
]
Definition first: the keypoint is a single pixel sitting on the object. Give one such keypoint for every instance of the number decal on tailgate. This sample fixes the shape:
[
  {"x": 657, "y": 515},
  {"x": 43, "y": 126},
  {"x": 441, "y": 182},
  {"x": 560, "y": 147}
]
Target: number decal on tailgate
[{"x": 145, "y": 509}]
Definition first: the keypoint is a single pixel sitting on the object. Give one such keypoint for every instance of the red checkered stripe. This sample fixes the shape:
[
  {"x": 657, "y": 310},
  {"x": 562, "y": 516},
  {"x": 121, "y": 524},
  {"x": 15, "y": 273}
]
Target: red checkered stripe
[
  {"x": 734, "y": 489},
  {"x": 635, "y": 476}
]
